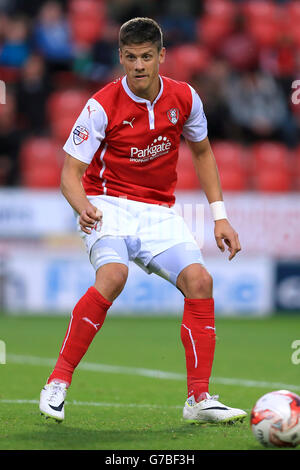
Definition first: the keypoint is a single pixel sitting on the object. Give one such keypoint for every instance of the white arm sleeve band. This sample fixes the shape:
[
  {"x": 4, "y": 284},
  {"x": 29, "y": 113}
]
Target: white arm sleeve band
[
  {"x": 195, "y": 127},
  {"x": 87, "y": 132}
]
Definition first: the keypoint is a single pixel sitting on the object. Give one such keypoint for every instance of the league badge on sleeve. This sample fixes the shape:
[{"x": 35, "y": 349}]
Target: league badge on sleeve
[
  {"x": 173, "y": 115},
  {"x": 80, "y": 134}
]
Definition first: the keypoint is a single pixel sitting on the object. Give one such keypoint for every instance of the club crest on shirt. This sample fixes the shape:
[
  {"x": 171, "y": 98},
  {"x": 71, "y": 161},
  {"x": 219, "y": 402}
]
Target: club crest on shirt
[
  {"x": 80, "y": 134},
  {"x": 173, "y": 115}
]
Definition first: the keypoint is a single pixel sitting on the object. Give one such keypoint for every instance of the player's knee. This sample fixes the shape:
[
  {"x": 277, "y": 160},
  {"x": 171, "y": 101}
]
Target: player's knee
[
  {"x": 201, "y": 287},
  {"x": 197, "y": 283},
  {"x": 118, "y": 277},
  {"x": 111, "y": 279}
]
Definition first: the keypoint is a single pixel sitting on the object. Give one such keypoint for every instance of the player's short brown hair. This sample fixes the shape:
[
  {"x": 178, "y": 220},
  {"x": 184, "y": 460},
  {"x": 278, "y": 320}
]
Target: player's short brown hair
[{"x": 139, "y": 31}]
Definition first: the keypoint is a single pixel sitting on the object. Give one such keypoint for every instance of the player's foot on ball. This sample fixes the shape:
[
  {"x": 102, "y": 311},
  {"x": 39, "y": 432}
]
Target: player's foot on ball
[
  {"x": 209, "y": 409},
  {"x": 52, "y": 400}
]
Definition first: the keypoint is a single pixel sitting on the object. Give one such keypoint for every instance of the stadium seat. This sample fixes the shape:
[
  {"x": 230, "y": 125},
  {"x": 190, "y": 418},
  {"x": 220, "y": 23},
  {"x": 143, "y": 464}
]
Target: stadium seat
[
  {"x": 288, "y": 22},
  {"x": 293, "y": 9},
  {"x": 228, "y": 154},
  {"x": 294, "y": 32},
  {"x": 186, "y": 174},
  {"x": 211, "y": 30},
  {"x": 169, "y": 67},
  {"x": 270, "y": 156},
  {"x": 63, "y": 109},
  {"x": 232, "y": 165},
  {"x": 9, "y": 74},
  {"x": 271, "y": 167},
  {"x": 86, "y": 7},
  {"x": 229, "y": 159},
  {"x": 189, "y": 59},
  {"x": 265, "y": 32},
  {"x": 240, "y": 51},
  {"x": 87, "y": 20},
  {"x": 61, "y": 128},
  {"x": 85, "y": 31},
  {"x": 66, "y": 102},
  {"x": 296, "y": 170},
  {"x": 220, "y": 8},
  {"x": 233, "y": 179},
  {"x": 272, "y": 181},
  {"x": 259, "y": 10},
  {"x": 40, "y": 163}
]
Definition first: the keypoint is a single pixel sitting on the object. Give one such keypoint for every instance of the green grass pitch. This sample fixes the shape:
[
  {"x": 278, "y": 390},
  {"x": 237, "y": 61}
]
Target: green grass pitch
[{"x": 130, "y": 389}]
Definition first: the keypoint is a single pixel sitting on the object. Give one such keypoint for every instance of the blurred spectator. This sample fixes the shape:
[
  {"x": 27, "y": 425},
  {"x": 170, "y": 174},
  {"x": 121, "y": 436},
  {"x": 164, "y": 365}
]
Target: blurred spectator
[
  {"x": 4, "y": 21},
  {"x": 16, "y": 49},
  {"x": 52, "y": 36},
  {"x": 32, "y": 7},
  {"x": 281, "y": 62},
  {"x": 123, "y": 10},
  {"x": 97, "y": 61},
  {"x": 178, "y": 21},
  {"x": 105, "y": 52},
  {"x": 10, "y": 142},
  {"x": 32, "y": 91},
  {"x": 258, "y": 107},
  {"x": 8, "y": 6},
  {"x": 210, "y": 86},
  {"x": 239, "y": 48}
]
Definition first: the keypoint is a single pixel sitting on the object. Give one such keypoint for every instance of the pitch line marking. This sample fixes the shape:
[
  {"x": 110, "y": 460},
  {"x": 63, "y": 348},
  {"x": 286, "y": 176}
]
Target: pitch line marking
[
  {"x": 152, "y": 373},
  {"x": 90, "y": 403}
]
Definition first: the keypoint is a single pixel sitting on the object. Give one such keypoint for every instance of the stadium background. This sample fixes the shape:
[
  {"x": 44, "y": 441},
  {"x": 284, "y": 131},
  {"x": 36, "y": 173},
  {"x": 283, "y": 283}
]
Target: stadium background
[{"x": 242, "y": 57}]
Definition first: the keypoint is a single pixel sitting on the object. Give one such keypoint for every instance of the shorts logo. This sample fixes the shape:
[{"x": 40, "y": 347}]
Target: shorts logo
[
  {"x": 80, "y": 134},
  {"x": 173, "y": 115}
]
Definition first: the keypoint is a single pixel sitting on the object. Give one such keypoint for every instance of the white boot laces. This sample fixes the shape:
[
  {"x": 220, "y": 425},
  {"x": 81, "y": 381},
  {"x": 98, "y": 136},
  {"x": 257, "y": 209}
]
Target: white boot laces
[
  {"x": 55, "y": 389},
  {"x": 212, "y": 397}
]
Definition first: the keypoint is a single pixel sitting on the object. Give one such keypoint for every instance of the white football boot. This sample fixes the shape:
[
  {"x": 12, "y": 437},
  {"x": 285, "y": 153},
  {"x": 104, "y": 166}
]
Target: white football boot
[
  {"x": 52, "y": 400},
  {"x": 210, "y": 410}
]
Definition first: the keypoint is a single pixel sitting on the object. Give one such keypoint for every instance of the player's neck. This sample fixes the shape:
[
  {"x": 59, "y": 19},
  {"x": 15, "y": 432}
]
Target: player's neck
[{"x": 149, "y": 93}]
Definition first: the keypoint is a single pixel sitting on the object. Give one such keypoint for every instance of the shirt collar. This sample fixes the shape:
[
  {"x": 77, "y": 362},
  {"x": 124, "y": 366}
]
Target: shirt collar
[{"x": 138, "y": 99}]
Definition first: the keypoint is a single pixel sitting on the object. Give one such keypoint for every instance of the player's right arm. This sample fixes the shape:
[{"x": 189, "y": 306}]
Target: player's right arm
[
  {"x": 84, "y": 140},
  {"x": 72, "y": 189}
]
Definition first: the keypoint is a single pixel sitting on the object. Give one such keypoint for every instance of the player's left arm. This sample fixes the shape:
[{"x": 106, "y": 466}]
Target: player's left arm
[{"x": 208, "y": 175}]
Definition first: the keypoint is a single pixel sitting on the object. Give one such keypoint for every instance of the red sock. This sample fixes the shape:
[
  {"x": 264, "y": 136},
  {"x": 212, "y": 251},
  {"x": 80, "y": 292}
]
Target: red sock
[
  {"x": 198, "y": 338},
  {"x": 86, "y": 320}
]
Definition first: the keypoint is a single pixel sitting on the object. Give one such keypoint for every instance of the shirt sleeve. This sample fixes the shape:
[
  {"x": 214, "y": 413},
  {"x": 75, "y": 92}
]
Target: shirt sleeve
[
  {"x": 195, "y": 127},
  {"x": 87, "y": 132}
]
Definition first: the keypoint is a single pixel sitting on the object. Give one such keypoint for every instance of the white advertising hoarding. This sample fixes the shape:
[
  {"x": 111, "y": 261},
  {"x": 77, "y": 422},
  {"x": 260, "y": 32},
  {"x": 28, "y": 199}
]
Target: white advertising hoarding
[
  {"x": 268, "y": 224},
  {"x": 34, "y": 213},
  {"x": 45, "y": 281}
]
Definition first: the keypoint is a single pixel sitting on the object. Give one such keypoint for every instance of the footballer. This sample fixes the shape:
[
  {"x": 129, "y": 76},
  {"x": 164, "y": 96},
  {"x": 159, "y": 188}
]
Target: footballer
[{"x": 119, "y": 176}]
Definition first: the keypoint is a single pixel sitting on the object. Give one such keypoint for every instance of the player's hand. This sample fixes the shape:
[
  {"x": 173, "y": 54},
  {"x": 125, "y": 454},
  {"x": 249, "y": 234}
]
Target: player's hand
[
  {"x": 89, "y": 218},
  {"x": 225, "y": 233}
]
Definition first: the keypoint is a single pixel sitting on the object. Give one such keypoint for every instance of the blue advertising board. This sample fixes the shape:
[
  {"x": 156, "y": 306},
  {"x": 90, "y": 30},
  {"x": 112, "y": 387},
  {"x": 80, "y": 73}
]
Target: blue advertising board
[{"x": 288, "y": 286}]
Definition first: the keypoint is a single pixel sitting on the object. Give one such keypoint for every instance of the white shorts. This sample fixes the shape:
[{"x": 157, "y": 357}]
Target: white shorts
[{"x": 149, "y": 229}]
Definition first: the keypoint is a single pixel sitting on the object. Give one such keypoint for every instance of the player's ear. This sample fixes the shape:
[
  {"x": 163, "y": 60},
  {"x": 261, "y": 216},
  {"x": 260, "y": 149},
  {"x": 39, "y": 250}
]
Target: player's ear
[
  {"x": 162, "y": 55},
  {"x": 120, "y": 56}
]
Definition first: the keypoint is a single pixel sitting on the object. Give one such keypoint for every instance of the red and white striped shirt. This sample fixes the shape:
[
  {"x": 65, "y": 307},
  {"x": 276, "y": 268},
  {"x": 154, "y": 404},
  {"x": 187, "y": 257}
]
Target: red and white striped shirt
[{"x": 131, "y": 145}]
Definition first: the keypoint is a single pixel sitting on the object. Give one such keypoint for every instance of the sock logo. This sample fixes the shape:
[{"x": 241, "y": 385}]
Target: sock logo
[
  {"x": 209, "y": 328},
  {"x": 95, "y": 325}
]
